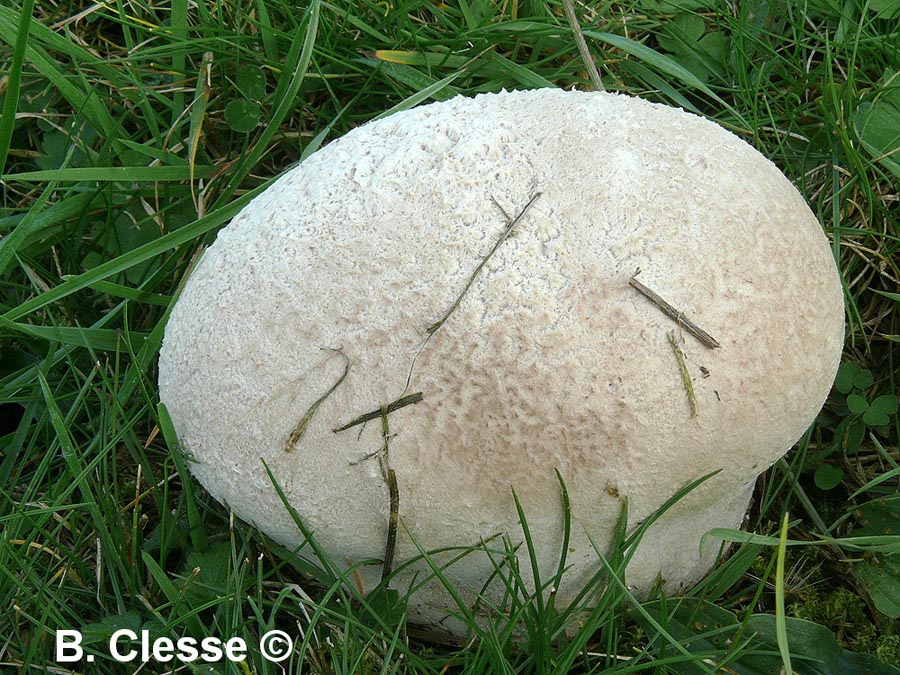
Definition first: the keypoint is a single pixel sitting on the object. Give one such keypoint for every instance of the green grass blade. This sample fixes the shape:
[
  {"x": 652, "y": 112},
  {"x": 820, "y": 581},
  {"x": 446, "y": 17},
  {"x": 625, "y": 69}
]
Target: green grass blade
[
  {"x": 418, "y": 97},
  {"x": 428, "y": 59},
  {"x": 523, "y": 76},
  {"x": 198, "y": 115},
  {"x": 11, "y": 97},
  {"x": 99, "y": 339},
  {"x": 266, "y": 31},
  {"x": 134, "y": 257},
  {"x": 411, "y": 77},
  {"x": 80, "y": 99},
  {"x": 128, "y": 293},
  {"x": 780, "y": 625},
  {"x": 135, "y": 174},
  {"x": 654, "y": 59},
  {"x": 532, "y": 555},
  {"x": 178, "y": 27},
  {"x": 289, "y": 84},
  {"x": 173, "y": 594},
  {"x": 31, "y": 222},
  {"x": 195, "y": 523}
]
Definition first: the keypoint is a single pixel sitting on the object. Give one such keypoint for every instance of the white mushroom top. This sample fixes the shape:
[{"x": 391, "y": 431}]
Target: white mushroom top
[{"x": 550, "y": 360}]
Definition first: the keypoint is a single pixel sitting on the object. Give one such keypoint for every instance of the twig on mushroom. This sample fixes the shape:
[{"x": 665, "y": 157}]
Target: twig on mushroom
[
  {"x": 705, "y": 338},
  {"x": 382, "y": 411},
  {"x": 302, "y": 425},
  {"x": 393, "y": 518},
  {"x": 390, "y": 478},
  {"x": 433, "y": 328},
  {"x": 685, "y": 375},
  {"x": 510, "y": 224},
  {"x": 387, "y": 472}
]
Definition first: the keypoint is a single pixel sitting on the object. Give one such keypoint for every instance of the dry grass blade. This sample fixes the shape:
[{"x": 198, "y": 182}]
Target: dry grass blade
[
  {"x": 303, "y": 424},
  {"x": 510, "y": 224},
  {"x": 433, "y": 328},
  {"x": 705, "y": 338},
  {"x": 582, "y": 46},
  {"x": 198, "y": 115},
  {"x": 384, "y": 410},
  {"x": 393, "y": 519},
  {"x": 685, "y": 375}
]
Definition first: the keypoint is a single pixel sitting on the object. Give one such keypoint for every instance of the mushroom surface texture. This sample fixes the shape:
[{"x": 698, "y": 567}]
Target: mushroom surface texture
[{"x": 484, "y": 253}]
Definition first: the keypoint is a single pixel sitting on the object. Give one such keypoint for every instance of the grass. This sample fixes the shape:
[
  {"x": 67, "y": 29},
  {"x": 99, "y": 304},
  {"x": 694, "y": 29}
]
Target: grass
[{"x": 131, "y": 132}]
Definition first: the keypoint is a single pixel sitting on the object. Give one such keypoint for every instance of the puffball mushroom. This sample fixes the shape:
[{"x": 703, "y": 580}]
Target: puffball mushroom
[{"x": 481, "y": 252}]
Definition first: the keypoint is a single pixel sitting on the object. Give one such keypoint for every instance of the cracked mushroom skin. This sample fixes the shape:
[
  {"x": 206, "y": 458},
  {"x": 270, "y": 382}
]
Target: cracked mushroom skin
[{"x": 357, "y": 279}]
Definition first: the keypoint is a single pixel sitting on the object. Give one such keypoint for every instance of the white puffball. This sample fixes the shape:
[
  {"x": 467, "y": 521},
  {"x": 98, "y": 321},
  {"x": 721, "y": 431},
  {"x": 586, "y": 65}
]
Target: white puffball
[{"x": 550, "y": 361}]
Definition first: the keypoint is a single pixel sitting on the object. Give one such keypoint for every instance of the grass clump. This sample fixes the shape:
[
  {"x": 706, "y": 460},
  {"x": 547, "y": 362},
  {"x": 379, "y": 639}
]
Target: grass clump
[{"x": 131, "y": 132}]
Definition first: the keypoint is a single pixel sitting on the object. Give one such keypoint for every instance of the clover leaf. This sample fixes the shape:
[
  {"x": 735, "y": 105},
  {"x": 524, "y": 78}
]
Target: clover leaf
[
  {"x": 700, "y": 52},
  {"x": 879, "y": 411}
]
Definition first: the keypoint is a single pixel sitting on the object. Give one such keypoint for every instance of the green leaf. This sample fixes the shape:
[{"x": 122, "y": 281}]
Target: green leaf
[
  {"x": 135, "y": 257},
  {"x": 16, "y": 29},
  {"x": 828, "y": 477},
  {"x": 864, "y": 379},
  {"x": 846, "y": 373},
  {"x": 881, "y": 577},
  {"x": 856, "y": 434},
  {"x": 242, "y": 115},
  {"x": 874, "y": 418},
  {"x": 815, "y": 650},
  {"x": 102, "y": 630},
  {"x": 198, "y": 115},
  {"x": 879, "y": 571},
  {"x": 879, "y": 517},
  {"x": 429, "y": 59},
  {"x": 654, "y": 59},
  {"x": 877, "y": 124},
  {"x": 173, "y": 594},
  {"x": 681, "y": 31},
  {"x": 857, "y": 404},
  {"x": 415, "y": 99},
  {"x": 495, "y": 64},
  {"x": 701, "y": 626},
  {"x": 206, "y": 574},
  {"x": 523, "y": 76},
  {"x": 886, "y": 404},
  {"x": 878, "y": 480},
  {"x": 54, "y": 149},
  {"x": 12, "y": 241},
  {"x": 386, "y": 608},
  {"x": 14, "y": 80},
  {"x": 703, "y": 55},
  {"x": 411, "y": 77},
  {"x": 284, "y": 100},
  {"x": 129, "y": 232},
  {"x": 880, "y": 411},
  {"x": 128, "y": 293},
  {"x": 251, "y": 82},
  {"x": 714, "y": 633},
  {"x": 885, "y": 9},
  {"x": 781, "y": 633},
  {"x": 100, "y": 339},
  {"x": 892, "y": 296}
]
